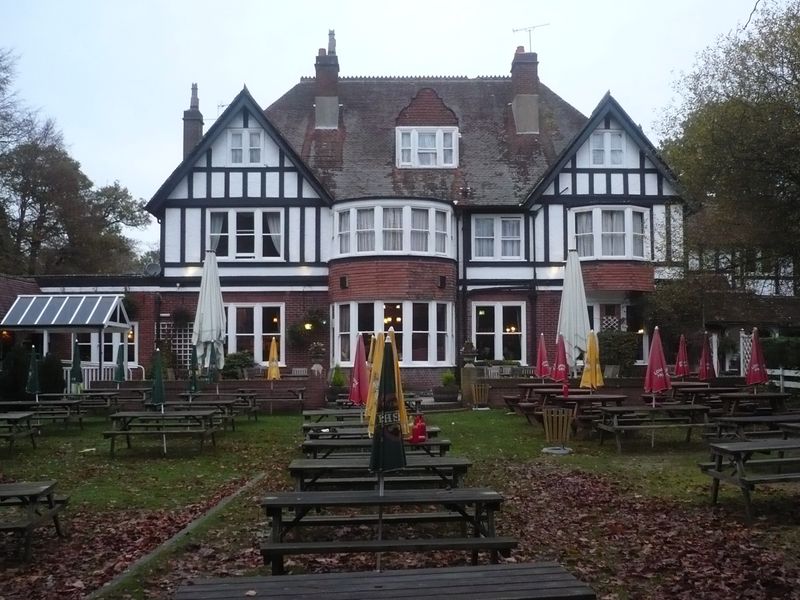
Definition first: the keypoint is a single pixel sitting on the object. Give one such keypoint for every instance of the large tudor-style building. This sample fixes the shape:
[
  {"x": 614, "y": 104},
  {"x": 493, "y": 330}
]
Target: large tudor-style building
[{"x": 440, "y": 206}]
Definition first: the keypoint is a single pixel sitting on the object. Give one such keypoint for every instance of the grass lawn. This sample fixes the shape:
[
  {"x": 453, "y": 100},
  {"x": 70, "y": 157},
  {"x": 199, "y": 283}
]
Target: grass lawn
[{"x": 635, "y": 525}]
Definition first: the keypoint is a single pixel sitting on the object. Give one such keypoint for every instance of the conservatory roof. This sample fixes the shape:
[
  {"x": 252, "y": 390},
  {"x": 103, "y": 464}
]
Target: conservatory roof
[{"x": 67, "y": 312}]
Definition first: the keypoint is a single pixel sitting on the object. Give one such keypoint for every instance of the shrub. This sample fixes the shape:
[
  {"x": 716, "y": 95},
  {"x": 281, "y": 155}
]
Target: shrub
[
  {"x": 234, "y": 362},
  {"x": 781, "y": 352},
  {"x": 619, "y": 348},
  {"x": 448, "y": 378},
  {"x": 51, "y": 374},
  {"x": 337, "y": 377}
]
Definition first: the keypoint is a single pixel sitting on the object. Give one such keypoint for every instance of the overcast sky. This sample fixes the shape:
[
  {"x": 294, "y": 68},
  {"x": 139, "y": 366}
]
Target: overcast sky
[{"x": 116, "y": 75}]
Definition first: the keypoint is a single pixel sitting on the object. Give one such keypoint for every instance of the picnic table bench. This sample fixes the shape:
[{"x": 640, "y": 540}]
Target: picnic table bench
[
  {"x": 324, "y": 448},
  {"x": 26, "y": 505},
  {"x": 310, "y": 472},
  {"x": 744, "y": 427},
  {"x": 349, "y": 430},
  {"x": 740, "y": 464},
  {"x": 647, "y": 417},
  {"x": 224, "y": 407},
  {"x": 524, "y": 581},
  {"x": 770, "y": 402},
  {"x": 317, "y": 415},
  {"x": 15, "y": 425},
  {"x": 475, "y": 506},
  {"x": 63, "y": 410},
  {"x": 197, "y": 423}
]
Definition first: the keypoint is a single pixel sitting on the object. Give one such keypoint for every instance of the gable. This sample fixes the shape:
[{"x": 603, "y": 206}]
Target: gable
[
  {"x": 210, "y": 171},
  {"x": 426, "y": 108}
]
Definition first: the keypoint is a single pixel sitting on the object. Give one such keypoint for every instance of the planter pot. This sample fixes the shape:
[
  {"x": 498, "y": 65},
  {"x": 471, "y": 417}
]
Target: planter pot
[
  {"x": 445, "y": 393},
  {"x": 333, "y": 393}
]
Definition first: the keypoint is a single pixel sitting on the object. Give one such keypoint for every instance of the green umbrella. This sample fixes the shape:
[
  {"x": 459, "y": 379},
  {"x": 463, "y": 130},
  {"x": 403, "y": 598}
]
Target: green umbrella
[
  {"x": 119, "y": 370},
  {"x": 159, "y": 395},
  {"x": 32, "y": 385},
  {"x": 193, "y": 371},
  {"x": 75, "y": 372},
  {"x": 211, "y": 374}
]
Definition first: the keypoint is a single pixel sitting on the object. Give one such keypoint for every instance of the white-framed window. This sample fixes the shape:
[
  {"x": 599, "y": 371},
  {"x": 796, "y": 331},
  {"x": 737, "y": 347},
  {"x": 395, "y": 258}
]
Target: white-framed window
[
  {"x": 496, "y": 238},
  {"x": 246, "y": 146},
  {"x": 246, "y": 234},
  {"x": 498, "y": 330},
  {"x": 427, "y": 147},
  {"x": 251, "y": 327},
  {"x": 393, "y": 228},
  {"x": 608, "y": 148},
  {"x": 423, "y": 330},
  {"x": 89, "y": 351},
  {"x": 611, "y": 232}
]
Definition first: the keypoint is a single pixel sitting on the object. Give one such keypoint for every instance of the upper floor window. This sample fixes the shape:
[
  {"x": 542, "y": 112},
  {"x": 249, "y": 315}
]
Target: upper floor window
[
  {"x": 497, "y": 238},
  {"x": 610, "y": 233},
  {"x": 608, "y": 148},
  {"x": 245, "y": 146},
  {"x": 393, "y": 229},
  {"x": 246, "y": 234},
  {"x": 427, "y": 147}
]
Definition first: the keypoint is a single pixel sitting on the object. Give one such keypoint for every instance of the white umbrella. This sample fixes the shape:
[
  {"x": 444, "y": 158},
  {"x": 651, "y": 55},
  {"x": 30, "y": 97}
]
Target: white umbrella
[
  {"x": 209, "y": 322},
  {"x": 573, "y": 315}
]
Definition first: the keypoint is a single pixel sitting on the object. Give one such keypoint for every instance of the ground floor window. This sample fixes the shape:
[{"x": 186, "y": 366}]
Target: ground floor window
[
  {"x": 251, "y": 328},
  {"x": 423, "y": 330},
  {"x": 498, "y": 330},
  {"x": 90, "y": 350}
]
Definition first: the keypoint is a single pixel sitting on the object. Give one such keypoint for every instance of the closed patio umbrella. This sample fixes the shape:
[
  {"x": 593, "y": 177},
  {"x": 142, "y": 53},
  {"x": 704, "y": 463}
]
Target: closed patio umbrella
[
  {"x": 592, "y": 374},
  {"x": 573, "y": 314},
  {"x": 756, "y": 367},
  {"x": 119, "y": 369},
  {"x": 682, "y": 359},
  {"x": 208, "y": 333},
  {"x": 273, "y": 368},
  {"x": 705, "y": 369},
  {"x": 656, "y": 379},
  {"x": 560, "y": 370},
  {"x": 158, "y": 394},
  {"x": 75, "y": 371},
  {"x": 191, "y": 384},
  {"x": 359, "y": 376},
  {"x": 32, "y": 385},
  {"x": 542, "y": 369}
]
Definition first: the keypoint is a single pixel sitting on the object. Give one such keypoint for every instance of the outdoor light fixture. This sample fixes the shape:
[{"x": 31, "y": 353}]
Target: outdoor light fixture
[{"x": 308, "y": 326}]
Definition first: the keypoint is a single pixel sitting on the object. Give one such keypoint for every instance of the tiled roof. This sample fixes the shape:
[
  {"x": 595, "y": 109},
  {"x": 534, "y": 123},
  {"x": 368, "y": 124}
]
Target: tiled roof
[{"x": 357, "y": 160}]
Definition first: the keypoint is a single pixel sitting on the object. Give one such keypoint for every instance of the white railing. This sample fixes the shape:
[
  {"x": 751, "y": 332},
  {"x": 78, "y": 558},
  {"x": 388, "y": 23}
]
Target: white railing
[
  {"x": 91, "y": 372},
  {"x": 784, "y": 378}
]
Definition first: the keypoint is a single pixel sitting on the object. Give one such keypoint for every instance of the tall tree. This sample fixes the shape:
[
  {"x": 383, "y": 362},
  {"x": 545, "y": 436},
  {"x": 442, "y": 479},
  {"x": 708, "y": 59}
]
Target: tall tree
[{"x": 735, "y": 138}]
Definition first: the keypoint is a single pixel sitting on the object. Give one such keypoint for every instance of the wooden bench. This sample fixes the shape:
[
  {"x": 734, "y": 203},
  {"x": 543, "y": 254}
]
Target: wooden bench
[
  {"x": 541, "y": 580},
  {"x": 270, "y": 402},
  {"x": 371, "y": 482},
  {"x": 200, "y": 433},
  {"x": 25, "y": 506},
  {"x": 274, "y": 552}
]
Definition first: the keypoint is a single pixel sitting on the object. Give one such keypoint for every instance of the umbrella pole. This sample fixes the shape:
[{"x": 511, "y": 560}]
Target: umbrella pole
[
  {"x": 380, "y": 520},
  {"x": 163, "y": 436}
]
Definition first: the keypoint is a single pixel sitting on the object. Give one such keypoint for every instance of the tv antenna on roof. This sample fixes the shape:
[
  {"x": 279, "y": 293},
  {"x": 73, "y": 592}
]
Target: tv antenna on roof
[{"x": 530, "y": 33}]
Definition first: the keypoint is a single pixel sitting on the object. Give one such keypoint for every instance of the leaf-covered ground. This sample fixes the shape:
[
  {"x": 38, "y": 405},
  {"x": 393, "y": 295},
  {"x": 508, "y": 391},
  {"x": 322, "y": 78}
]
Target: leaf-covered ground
[{"x": 622, "y": 543}]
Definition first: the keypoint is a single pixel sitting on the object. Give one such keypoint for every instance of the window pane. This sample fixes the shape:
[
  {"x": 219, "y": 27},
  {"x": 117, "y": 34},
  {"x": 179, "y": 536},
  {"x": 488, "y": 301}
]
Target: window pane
[
  {"x": 441, "y": 329},
  {"x": 419, "y": 230},
  {"x": 484, "y": 318},
  {"x": 615, "y": 139},
  {"x": 245, "y": 329},
  {"x": 638, "y": 234},
  {"x": 271, "y": 320},
  {"x": 484, "y": 344},
  {"x": 441, "y": 231},
  {"x": 484, "y": 237},
  {"x": 271, "y": 239},
  {"x": 598, "y": 149},
  {"x": 365, "y": 230},
  {"x": 219, "y": 233},
  {"x": 366, "y": 317},
  {"x": 420, "y": 335},
  {"x": 245, "y": 234},
  {"x": 426, "y": 141},
  {"x": 344, "y": 332},
  {"x": 510, "y": 238},
  {"x": 344, "y": 232},
  {"x": 393, "y": 229}
]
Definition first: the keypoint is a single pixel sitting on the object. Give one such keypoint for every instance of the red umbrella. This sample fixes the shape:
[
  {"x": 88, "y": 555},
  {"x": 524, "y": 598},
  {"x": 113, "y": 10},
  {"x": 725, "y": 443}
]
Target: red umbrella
[
  {"x": 359, "y": 376},
  {"x": 656, "y": 379},
  {"x": 682, "y": 360},
  {"x": 706, "y": 369},
  {"x": 542, "y": 364},
  {"x": 560, "y": 370},
  {"x": 756, "y": 367}
]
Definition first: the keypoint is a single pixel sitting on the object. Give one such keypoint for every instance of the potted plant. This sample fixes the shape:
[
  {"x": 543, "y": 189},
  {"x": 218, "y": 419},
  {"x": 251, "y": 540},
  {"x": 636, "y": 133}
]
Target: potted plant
[
  {"x": 338, "y": 384},
  {"x": 448, "y": 391}
]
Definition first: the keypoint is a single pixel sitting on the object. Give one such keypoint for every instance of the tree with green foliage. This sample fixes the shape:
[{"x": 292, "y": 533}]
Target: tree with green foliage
[{"x": 735, "y": 138}]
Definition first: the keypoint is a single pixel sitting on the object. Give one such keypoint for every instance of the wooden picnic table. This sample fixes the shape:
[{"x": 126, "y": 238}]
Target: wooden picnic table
[
  {"x": 26, "y": 505},
  {"x": 17, "y": 424},
  {"x": 523, "y": 581},
  {"x": 307, "y": 472},
  {"x": 621, "y": 419},
  {"x": 585, "y": 405},
  {"x": 179, "y": 423},
  {"x": 703, "y": 393},
  {"x": 224, "y": 406},
  {"x": 287, "y": 511},
  {"x": 333, "y": 447},
  {"x": 346, "y": 430},
  {"x": 527, "y": 389},
  {"x": 64, "y": 409},
  {"x": 743, "y": 464},
  {"x": 332, "y": 414},
  {"x": 776, "y": 400},
  {"x": 740, "y": 424}
]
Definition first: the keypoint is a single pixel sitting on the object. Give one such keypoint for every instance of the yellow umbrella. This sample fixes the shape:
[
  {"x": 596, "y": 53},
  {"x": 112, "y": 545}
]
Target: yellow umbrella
[
  {"x": 592, "y": 375},
  {"x": 376, "y": 362},
  {"x": 274, "y": 370}
]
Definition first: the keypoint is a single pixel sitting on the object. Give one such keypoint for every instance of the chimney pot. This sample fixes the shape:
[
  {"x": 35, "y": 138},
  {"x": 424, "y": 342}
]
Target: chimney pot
[
  {"x": 520, "y": 50},
  {"x": 326, "y": 91},
  {"x": 192, "y": 124},
  {"x": 321, "y": 52}
]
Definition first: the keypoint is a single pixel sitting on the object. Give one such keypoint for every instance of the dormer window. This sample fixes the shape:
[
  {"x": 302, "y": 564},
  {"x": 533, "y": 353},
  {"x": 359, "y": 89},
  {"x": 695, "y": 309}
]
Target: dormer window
[
  {"x": 245, "y": 146},
  {"x": 427, "y": 147}
]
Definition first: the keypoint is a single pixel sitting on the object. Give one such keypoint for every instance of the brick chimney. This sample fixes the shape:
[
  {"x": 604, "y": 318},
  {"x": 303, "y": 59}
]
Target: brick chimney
[
  {"x": 326, "y": 97},
  {"x": 525, "y": 88},
  {"x": 192, "y": 124}
]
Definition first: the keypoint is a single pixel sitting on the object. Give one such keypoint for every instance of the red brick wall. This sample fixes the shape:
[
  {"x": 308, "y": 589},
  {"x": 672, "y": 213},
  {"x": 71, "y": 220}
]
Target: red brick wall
[
  {"x": 426, "y": 109},
  {"x": 392, "y": 279},
  {"x": 618, "y": 276}
]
